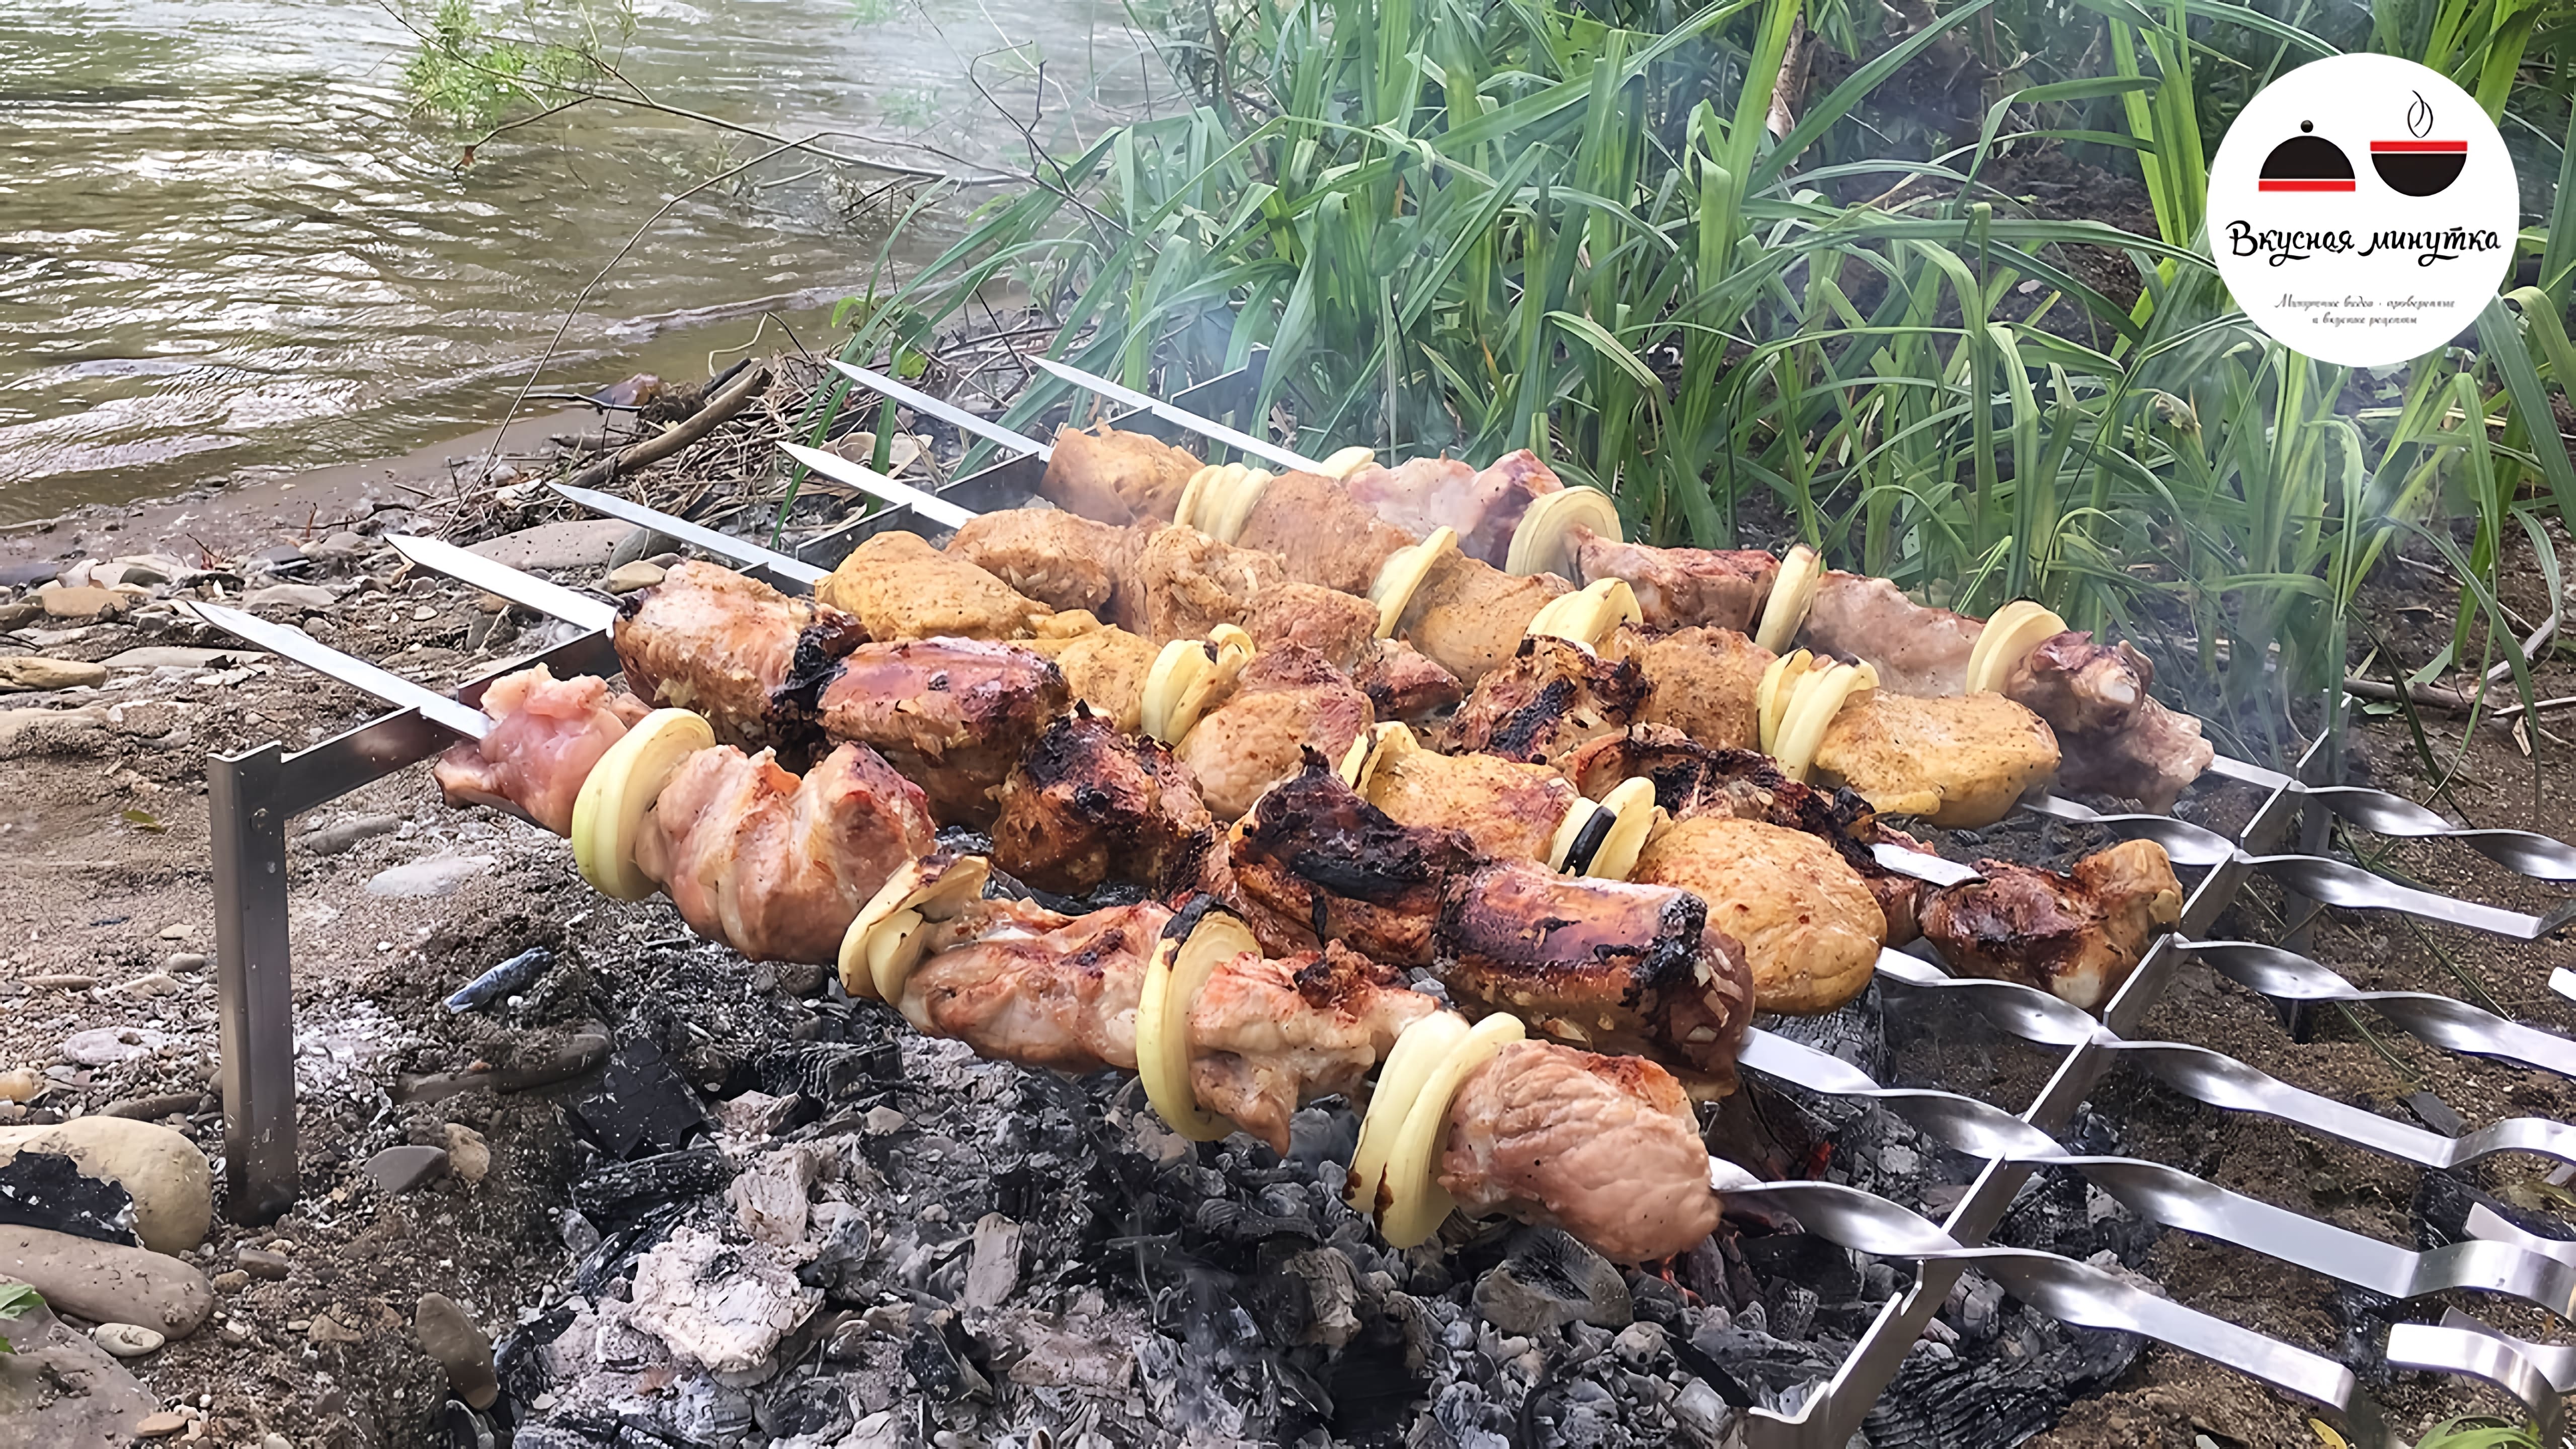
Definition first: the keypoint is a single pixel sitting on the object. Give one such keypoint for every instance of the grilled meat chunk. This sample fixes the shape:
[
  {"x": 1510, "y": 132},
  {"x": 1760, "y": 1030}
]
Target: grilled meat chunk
[
  {"x": 1321, "y": 533},
  {"x": 1116, "y": 477},
  {"x": 1916, "y": 649},
  {"x": 1958, "y": 761},
  {"x": 1020, "y": 983},
  {"x": 1063, "y": 560},
  {"x": 735, "y": 650},
  {"x": 1702, "y": 682},
  {"x": 952, "y": 714},
  {"x": 1267, "y": 1035},
  {"x": 1553, "y": 696},
  {"x": 1340, "y": 628},
  {"x": 1509, "y": 809},
  {"x": 1088, "y": 803},
  {"x": 546, "y": 735},
  {"x": 1603, "y": 1147},
  {"x": 1104, "y": 666},
  {"x": 1185, "y": 583},
  {"x": 1483, "y": 505},
  {"x": 1403, "y": 684},
  {"x": 1678, "y": 588},
  {"x": 2117, "y": 739},
  {"x": 2078, "y": 936},
  {"x": 1633, "y": 969},
  {"x": 1810, "y": 927},
  {"x": 1289, "y": 700},
  {"x": 1469, "y": 616},
  {"x": 902, "y": 588},
  {"x": 774, "y": 866},
  {"x": 1315, "y": 862}
]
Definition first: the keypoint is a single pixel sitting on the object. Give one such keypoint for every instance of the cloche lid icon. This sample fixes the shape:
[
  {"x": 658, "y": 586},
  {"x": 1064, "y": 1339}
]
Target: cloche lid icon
[{"x": 2306, "y": 162}]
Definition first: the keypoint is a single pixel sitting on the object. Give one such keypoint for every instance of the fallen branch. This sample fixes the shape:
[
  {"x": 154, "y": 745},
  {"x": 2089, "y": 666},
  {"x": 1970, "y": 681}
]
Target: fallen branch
[
  {"x": 679, "y": 435},
  {"x": 2434, "y": 696}
]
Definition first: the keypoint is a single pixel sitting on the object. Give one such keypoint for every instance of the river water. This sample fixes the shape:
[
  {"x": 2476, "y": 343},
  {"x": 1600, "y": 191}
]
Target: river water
[{"x": 231, "y": 245}]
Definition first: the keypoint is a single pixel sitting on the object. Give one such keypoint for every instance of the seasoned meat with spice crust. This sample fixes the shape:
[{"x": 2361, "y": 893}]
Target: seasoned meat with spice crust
[
  {"x": 1959, "y": 761},
  {"x": 2078, "y": 936},
  {"x": 953, "y": 715},
  {"x": 1510, "y": 809},
  {"x": 1678, "y": 588},
  {"x": 1116, "y": 477},
  {"x": 1553, "y": 696},
  {"x": 1701, "y": 681},
  {"x": 1602, "y": 964},
  {"x": 1603, "y": 1147},
  {"x": 902, "y": 588},
  {"x": 1916, "y": 649},
  {"x": 1289, "y": 700},
  {"x": 1020, "y": 983},
  {"x": 1268, "y": 1036},
  {"x": 733, "y": 649},
  {"x": 1089, "y": 803},
  {"x": 2117, "y": 739},
  {"x": 1063, "y": 560},
  {"x": 1402, "y": 684},
  {"x": 1104, "y": 666},
  {"x": 1322, "y": 534},
  {"x": 1810, "y": 927},
  {"x": 1469, "y": 616}
]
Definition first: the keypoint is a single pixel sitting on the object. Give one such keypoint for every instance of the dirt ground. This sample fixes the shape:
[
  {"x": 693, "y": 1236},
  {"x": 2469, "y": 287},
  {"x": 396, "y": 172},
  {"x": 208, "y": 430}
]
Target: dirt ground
[{"x": 103, "y": 827}]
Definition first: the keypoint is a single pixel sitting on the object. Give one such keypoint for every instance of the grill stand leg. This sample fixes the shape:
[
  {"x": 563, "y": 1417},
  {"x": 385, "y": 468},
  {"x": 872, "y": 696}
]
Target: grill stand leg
[{"x": 254, "y": 976}]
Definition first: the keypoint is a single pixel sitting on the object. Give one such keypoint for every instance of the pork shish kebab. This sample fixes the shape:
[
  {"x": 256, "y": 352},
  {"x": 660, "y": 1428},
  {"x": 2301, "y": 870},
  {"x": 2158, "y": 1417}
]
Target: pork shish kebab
[{"x": 1227, "y": 1038}]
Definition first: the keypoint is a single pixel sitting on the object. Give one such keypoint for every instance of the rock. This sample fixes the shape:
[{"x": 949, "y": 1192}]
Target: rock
[
  {"x": 261, "y": 1263},
  {"x": 231, "y": 1280},
  {"x": 19, "y": 613},
  {"x": 107, "y": 1046},
  {"x": 127, "y": 1340},
  {"x": 61, "y": 1390},
  {"x": 161, "y": 1425},
  {"x": 344, "y": 834},
  {"x": 880, "y": 1121},
  {"x": 154, "y": 1107},
  {"x": 160, "y": 1169},
  {"x": 468, "y": 1156},
  {"x": 327, "y": 1329},
  {"x": 1549, "y": 1280},
  {"x": 27, "y": 573},
  {"x": 305, "y": 598},
  {"x": 582, "y": 543},
  {"x": 20, "y": 672},
  {"x": 465, "y": 1351},
  {"x": 400, "y": 1169},
  {"x": 342, "y": 546},
  {"x": 21, "y": 1084},
  {"x": 433, "y": 876},
  {"x": 107, "y": 1282},
  {"x": 279, "y": 558},
  {"x": 721, "y": 1306},
  {"x": 62, "y": 981},
  {"x": 641, "y": 545},
  {"x": 88, "y": 602},
  {"x": 628, "y": 578},
  {"x": 148, "y": 568},
  {"x": 151, "y": 983},
  {"x": 993, "y": 1266},
  {"x": 178, "y": 930},
  {"x": 275, "y": 1441},
  {"x": 171, "y": 656},
  {"x": 184, "y": 961}
]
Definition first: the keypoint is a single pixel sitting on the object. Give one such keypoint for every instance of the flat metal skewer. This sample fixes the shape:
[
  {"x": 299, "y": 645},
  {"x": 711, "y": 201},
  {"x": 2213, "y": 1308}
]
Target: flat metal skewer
[
  {"x": 868, "y": 480},
  {"x": 439, "y": 709},
  {"x": 1239, "y": 441},
  {"x": 699, "y": 536},
  {"x": 502, "y": 581},
  {"x": 947, "y": 412}
]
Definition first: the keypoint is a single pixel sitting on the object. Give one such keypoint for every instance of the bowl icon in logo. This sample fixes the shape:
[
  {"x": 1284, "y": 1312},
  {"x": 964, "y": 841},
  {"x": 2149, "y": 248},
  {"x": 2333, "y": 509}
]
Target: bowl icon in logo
[
  {"x": 2306, "y": 162},
  {"x": 2418, "y": 166}
]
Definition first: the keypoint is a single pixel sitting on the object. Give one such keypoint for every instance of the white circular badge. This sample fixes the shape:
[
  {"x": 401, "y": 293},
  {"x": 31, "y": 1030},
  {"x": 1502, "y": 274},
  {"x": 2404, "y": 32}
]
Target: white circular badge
[{"x": 2363, "y": 210}]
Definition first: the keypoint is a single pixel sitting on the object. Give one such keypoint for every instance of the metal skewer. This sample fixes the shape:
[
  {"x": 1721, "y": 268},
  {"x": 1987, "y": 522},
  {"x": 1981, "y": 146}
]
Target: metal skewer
[
  {"x": 868, "y": 480},
  {"x": 1239, "y": 441},
  {"x": 439, "y": 709},
  {"x": 503, "y": 581},
  {"x": 723, "y": 545},
  {"x": 947, "y": 412}
]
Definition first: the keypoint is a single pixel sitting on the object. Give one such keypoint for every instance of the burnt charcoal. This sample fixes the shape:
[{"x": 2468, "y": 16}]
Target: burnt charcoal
[
  {"x": 464, "y": 1428},
  {"x": 1657, "y": 1299},
  {"x": 1551, "y": 1279},
  {"x": 829, "y": 1073},
  {"x": 1990, "y": 1401},
  {"x": 622, "y": 1191},
  {"x": 2442, "y": 1203},
  {"x": 2435, "y": 1113},
  {"x": 46, "y": 1190},
  {"x": 933, "y": 1356},
  {"x": 505, "y": 980},
  {"x": 816, "y": 1407},
  {"x": 1817, "y": 1263},
  {"x": 518, "y": 1363},
  {"x": 617, "y": 1251},
  {"x": 640, "y": 1105},
  {"x": 1226, "y": 1218},
  {"x": 1760, "y": 1364}
]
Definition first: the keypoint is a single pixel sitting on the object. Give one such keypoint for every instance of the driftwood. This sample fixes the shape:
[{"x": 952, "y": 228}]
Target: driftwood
[{"x": 721, "y": 406}]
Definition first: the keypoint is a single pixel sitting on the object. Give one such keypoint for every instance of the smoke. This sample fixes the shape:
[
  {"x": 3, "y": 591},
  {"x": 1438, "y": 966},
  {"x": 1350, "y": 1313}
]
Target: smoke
[{"x": 2419, "y": 118}]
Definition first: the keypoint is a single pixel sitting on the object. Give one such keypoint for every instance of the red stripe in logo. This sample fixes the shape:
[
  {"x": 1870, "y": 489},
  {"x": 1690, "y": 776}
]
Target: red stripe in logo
[
  {"x": 2420, "y": 146},
  {"x": 2303, "y": 186}
]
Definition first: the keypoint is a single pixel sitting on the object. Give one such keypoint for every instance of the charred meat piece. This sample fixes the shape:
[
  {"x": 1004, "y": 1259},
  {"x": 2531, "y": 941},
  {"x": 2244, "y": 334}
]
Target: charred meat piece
[
  {"x": 546, "y": 735},
  {"x": 1553, "y": 696},
  {"x": 1022, "y": 984},
  {"x": 1315, "y": 862},
  {"x": 774, "y": 866},
  {"x": 1959, "y": 761},
  {"x": 1916, "y": 649},
  {"x": 1116, "y": 477},
  {"x": 1678, "y": 588},
  {"x": 1469, "y": 616},
  {"x": 1321, "y": 533},
  {"x": 952, "y": 714},
  {"x": 1088, "y": 803},
  {"x": 1603, "y": 1147},
  {"x": 1702, "y": 682},
  {"x": 1632, "y": 969},
  {"x": 1402, "y": 684},
  {"x": 1063, "y": 560},
  {"x": 735, "y": 650},
  {"x": 1268, "y": 1036},
  {"x": 1483, "y": 505},
  {"x": 902, "y": 588},
  {"x": 2077, "y": 936},
  {"x": 1511, "y": 810},
  {"x": 2118, "y": 740},
  {"x": 1104, "y": 666},
  {"x": 1810, "y": 927},
  {"x": 1288, "y": 701}
]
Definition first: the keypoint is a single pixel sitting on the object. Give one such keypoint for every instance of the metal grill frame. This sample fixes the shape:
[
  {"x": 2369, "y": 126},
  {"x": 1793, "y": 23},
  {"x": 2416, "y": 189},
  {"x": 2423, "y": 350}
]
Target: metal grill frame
[{"x": 253, "y": 794}]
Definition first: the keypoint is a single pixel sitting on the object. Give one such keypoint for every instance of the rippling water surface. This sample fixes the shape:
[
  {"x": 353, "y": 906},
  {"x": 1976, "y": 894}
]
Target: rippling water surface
[{"x": 229, "y": 245}]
